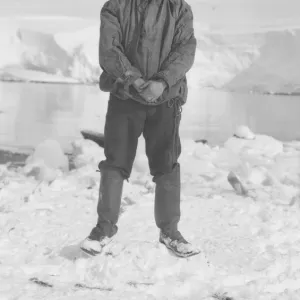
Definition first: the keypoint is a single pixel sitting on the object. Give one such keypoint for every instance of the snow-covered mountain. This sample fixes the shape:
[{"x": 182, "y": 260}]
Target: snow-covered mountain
[{"x": 264, "y": 61}]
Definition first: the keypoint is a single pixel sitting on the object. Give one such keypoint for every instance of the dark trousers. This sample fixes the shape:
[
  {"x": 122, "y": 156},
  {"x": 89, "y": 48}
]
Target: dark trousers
[{"x": 125, "y": 122}]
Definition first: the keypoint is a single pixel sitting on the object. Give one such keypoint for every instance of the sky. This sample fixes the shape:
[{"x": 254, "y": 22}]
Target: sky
[
  {"x": 86, "y": 9},
  {"x": 238, "y": 11},
  {"x": 212, "y": 15}
]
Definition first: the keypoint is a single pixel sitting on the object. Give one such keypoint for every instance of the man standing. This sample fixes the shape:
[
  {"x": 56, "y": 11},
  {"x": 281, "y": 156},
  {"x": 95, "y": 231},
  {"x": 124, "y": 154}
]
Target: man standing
[{"x": 146, "y": 48}]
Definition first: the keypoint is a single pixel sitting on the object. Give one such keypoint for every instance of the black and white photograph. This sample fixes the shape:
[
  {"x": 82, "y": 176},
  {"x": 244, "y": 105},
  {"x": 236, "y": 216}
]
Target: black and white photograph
[{"x": 150, "y": 149}]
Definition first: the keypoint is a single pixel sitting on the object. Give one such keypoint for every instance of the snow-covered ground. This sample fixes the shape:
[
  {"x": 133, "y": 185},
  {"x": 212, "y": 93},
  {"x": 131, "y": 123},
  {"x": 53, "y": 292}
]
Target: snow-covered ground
[
  {"x": 261, "y": 59},
  {"x": 251, "y": 245}
]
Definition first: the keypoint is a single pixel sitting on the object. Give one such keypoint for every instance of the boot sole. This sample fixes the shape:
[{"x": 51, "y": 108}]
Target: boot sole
[
  {"x": 179, "y": 254},
  {"x": 91, "y": 253}
]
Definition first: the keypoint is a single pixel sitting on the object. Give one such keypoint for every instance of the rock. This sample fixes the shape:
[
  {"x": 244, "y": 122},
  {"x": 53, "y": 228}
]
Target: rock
[
  {"x": 96, "y": 137},
  {"x": 202, "y": 141},
  {"x": 236, "y": 184}
]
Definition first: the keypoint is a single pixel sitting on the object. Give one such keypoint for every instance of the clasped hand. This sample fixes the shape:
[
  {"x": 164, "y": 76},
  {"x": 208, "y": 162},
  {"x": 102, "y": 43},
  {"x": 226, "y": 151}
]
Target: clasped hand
[{"x": 150, "y": 90}]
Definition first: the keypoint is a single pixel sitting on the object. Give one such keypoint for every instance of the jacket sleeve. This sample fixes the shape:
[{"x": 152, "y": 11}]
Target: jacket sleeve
[
  {"x": 182, "y": 54},
  {"x": 112, "y": 59}
]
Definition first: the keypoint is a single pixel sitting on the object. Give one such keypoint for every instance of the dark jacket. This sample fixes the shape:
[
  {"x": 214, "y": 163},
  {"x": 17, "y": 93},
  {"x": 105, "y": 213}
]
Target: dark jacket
[{"x": 152, "y": 39}]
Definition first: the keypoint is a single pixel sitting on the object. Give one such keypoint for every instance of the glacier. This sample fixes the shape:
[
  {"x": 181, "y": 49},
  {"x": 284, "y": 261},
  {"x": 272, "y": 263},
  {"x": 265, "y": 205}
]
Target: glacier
[{"x": 265, "y": 60}]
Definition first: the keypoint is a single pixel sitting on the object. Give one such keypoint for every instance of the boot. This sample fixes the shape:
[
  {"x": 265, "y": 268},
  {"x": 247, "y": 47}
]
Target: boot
[
  {"x": 108, "y": 209},
  {"x": 178, "y": 245},
  {"x": 167, "y": 214},
  {"x": 167, "y": 201}
]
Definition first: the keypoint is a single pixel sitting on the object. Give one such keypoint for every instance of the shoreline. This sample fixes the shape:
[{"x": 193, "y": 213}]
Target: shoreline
[{"x": 96, "y": 83}]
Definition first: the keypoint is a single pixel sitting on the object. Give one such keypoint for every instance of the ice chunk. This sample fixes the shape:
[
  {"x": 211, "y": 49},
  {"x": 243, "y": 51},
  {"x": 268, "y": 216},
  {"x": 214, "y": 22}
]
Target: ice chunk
[
  {"x": 261, "y": 145},
  {"x": 86, "y": 152},
  {"x": 226, "y": 159},
  {"x": 244, "y": 132},
  {"x": 257, "y": 175},
  {"x": 40, "y": 171},
  {"x": 50, "y": 154},
  {"x": 141, "y": 164}
]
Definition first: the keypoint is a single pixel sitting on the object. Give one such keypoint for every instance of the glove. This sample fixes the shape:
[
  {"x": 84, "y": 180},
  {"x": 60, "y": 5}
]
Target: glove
[
  {"x": 138, "y": 83},
  {"x": 152, "y": 90}
]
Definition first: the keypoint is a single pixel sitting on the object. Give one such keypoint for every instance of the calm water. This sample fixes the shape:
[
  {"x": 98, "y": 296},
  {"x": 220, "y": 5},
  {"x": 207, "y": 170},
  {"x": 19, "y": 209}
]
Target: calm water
[{"x": 30, "y": 113}]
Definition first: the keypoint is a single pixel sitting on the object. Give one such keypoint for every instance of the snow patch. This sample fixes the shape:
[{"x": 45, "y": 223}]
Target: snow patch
[
  {"x": 261, "y": 145},
  {"x": 250, "y": 245}
]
